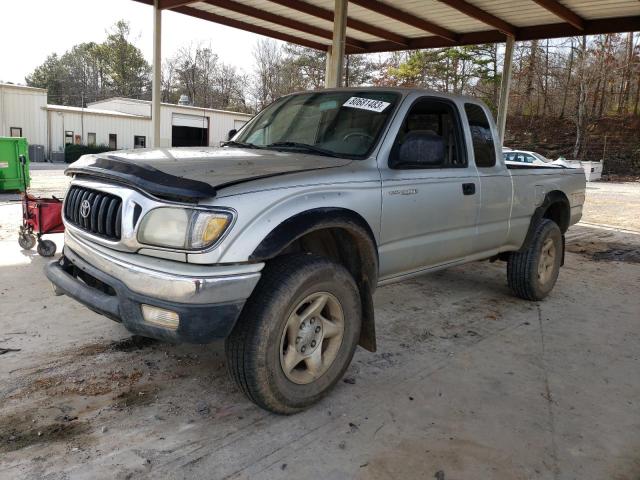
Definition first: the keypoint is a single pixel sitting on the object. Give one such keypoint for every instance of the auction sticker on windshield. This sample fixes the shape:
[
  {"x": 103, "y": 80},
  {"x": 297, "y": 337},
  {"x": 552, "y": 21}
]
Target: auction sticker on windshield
[{"x": 366, "y": 104}]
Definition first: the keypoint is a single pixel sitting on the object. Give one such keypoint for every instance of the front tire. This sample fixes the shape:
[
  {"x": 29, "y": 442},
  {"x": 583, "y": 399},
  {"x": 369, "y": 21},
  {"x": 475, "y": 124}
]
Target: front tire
[
  {"x": 297, "y": 333},
  {"x": 532, "y": 273}
]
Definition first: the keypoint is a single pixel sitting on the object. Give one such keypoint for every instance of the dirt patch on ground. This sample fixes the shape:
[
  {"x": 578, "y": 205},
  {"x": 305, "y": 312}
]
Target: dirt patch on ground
[
  {"x": 135, "y": 397},
  {"x": 606, "y": 251},
  {"x": 129, "y": 344},
  {"x": 19, "y": 431},
  {"x": 93, "y": 385}
]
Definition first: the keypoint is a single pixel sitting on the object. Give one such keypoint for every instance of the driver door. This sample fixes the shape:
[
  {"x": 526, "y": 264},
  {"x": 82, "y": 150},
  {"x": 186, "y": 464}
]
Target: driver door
[{"x": 429, "y": 210}]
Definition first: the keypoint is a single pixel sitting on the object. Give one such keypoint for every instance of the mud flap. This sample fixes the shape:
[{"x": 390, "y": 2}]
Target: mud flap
[{"x": 368, "y": 328}]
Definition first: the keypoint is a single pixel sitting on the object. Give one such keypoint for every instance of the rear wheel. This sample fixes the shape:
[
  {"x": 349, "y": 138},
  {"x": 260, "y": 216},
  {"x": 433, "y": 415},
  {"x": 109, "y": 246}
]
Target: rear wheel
[
  {"x": 532, "y": 274},
  {"x": 297, "y": 333},
  {"x": 46, "y": 248}
]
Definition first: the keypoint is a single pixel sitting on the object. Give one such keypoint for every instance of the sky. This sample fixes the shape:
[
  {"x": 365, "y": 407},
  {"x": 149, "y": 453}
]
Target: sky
[{"x": 33, "y": 29}]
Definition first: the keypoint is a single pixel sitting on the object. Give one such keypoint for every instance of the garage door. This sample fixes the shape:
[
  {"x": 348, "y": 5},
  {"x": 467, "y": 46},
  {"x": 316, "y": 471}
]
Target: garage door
[{"x": 189, "y": 130}]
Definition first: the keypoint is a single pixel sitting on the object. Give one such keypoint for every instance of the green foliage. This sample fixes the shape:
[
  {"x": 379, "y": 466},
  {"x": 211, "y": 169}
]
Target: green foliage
[
  {"x": 73, "y": 152},
  {"x": 468, "y": 69},
  {"x": 93, "y": 71}
]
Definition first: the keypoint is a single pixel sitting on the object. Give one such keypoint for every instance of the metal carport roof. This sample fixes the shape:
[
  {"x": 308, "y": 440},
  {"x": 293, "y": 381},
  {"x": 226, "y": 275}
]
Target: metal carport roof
[{"x": 378, "y": 26}]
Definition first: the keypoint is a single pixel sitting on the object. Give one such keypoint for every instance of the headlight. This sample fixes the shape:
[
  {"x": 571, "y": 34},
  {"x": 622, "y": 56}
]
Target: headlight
[{"x": 183, "y": 228}]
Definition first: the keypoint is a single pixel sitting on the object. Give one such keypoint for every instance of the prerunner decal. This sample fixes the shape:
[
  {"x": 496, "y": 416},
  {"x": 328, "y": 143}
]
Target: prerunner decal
[{"x": 366, "y": 104}]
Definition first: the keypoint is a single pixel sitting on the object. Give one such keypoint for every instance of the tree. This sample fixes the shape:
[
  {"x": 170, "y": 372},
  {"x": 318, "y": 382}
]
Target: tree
[
  {"x": 128, "y": 71},
  {"x": 91, "y": 71},
  {"x": 50, "y": 75},
  {"x": 197, "y": 72}
]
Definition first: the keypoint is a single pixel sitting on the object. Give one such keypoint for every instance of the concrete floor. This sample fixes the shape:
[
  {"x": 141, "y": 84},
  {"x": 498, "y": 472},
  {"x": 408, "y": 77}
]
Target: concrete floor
[{"x": 468, "y": 383}]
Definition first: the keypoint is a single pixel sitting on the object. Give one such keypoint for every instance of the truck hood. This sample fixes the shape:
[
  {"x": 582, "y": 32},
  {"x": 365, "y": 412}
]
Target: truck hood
[{"x": 191, "y": 174}]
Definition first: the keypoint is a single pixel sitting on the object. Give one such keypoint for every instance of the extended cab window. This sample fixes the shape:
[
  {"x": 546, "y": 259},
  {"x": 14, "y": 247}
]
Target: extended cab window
[
  {"x": 430, "y": 137},
  {"x": 483, "y": 148}
]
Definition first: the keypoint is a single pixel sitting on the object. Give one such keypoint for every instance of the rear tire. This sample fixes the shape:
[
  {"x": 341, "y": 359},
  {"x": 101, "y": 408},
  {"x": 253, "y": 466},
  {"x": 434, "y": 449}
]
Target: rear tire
[
  {"x": 532, "y": 274},
  {"x": 47, "y": 248},
  {"x": 297, "y": 333}
]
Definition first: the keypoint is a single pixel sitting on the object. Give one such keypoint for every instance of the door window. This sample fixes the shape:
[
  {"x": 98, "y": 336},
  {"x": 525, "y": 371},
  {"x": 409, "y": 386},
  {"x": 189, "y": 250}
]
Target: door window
[
  {"x": 15, "y": 132},
  {"x": 481, "y": 135},
  {"x": 429, "y": 137}
]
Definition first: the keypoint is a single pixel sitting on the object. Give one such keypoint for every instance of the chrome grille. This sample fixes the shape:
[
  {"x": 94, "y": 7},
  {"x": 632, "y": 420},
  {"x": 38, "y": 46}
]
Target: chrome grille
[{"x": 96, "y": 212}]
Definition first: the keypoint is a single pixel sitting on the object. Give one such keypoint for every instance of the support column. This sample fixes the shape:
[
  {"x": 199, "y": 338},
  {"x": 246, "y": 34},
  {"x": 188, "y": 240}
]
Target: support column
[
  {"x": 505, "y": 87},
  {"x": 335, "y": 56},
  {"x": 156, "y": 73},
  {"x": 327, "y": 68}
]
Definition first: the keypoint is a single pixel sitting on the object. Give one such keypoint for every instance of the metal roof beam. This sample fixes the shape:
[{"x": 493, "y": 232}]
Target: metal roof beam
[
  {"x": 407, "y": 18},
  {"x": 479, "y": 14},
  {"x": 536, "y": 32},
  {"x": 230, "y": 22},
  {"x": 563, "y": 12},
  {"x": 283, "y": 21},
  {"x": 166, "y": 4},
  {"x": 324, "y": 14}
]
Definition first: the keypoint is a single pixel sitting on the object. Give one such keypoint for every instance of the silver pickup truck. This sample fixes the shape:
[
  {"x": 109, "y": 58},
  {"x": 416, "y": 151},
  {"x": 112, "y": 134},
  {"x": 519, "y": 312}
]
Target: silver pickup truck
[{"x": 277, "y": 240}]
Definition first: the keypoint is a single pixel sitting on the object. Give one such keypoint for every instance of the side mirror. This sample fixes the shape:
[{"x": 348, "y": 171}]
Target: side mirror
[
  {"x": 420, "y": 149},
  {"x": 231, "y": 133}
]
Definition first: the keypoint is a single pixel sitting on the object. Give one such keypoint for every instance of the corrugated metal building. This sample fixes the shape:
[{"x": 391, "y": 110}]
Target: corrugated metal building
[
  {"x": 120, "y": 123},
  {"x": 22, "y": 113},
  {"x": 181, "y": 125}
]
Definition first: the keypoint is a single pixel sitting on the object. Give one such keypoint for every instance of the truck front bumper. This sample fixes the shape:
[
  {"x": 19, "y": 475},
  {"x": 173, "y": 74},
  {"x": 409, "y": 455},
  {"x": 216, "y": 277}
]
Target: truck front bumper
[{"x": 157, "y": 304}]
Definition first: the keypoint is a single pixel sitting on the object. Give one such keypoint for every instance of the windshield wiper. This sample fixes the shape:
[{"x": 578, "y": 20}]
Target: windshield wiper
[
  {"x": 233, "y": 143},
  {"x": 303, "y": 146}
]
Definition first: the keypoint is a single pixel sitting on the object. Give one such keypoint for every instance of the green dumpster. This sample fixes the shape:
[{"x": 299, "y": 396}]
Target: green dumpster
[{"x": 11, "y": 148}]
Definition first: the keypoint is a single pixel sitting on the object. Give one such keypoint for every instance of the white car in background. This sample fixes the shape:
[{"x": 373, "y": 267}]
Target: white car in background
[
  {"x": 527, "y": 159},
  {"x": 519, "y": 157}
]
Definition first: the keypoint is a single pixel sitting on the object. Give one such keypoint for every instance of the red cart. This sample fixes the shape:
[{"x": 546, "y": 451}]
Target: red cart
[{"x": 40, "y": 216}]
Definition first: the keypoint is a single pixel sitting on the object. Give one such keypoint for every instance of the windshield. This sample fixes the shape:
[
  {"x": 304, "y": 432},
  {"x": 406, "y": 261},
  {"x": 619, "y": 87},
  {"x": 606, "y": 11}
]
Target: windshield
[
  {"x": 330, "y": 123},
  {"x": 541, "y": 158}
]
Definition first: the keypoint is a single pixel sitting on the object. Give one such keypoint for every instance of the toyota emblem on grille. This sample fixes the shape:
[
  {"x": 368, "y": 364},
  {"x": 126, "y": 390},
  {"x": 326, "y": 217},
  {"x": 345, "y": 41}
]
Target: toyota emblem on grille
[{"x": 85, "y": 208}]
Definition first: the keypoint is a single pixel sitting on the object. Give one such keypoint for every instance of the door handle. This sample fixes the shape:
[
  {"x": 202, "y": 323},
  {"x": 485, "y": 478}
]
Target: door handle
[{"x": 468, "y": 188}]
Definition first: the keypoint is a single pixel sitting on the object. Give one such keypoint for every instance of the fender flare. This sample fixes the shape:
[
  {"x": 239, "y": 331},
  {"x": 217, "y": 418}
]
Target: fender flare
[
  {"x": 551, "y": 198},
  {"x": 355, "y": 232}
]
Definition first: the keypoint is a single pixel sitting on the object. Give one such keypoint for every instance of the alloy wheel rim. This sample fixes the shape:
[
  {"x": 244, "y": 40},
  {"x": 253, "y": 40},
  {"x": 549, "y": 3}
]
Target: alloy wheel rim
[
  {"x": 546, "y": 264},
  {"x": 311, "y": 338}
]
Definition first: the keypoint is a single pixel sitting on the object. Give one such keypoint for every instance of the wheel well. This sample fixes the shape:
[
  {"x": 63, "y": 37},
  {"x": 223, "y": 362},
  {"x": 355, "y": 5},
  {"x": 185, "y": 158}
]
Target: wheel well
[
  {"x": 560, "y": 212},
  {"x": 555, "y": 207},
  {"x": 341, "y": 235}
]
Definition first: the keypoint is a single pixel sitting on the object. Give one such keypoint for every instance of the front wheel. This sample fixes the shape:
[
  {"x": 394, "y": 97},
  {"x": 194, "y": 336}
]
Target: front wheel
[
  {"x": 532, "y": 274},
  {"x": 297, "y": 333}
]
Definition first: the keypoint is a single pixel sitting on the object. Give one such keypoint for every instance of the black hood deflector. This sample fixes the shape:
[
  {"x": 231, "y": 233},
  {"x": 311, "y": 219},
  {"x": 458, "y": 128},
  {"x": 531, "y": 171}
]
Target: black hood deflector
[{"x": 146, "y": 178}]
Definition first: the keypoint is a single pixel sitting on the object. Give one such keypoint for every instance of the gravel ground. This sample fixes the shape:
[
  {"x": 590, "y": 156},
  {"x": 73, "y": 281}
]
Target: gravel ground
[
  {"x": 615, "y": 204},
  {"x": 468, "y": 383}
]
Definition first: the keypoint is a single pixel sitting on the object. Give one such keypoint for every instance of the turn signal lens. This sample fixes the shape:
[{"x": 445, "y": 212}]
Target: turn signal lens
[
  {"x": 208, "y": 228},
  {"x": 214, "y": 229}
]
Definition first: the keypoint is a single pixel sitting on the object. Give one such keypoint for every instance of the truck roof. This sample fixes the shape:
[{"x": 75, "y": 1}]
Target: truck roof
[{"x": 404, "y": 91}]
